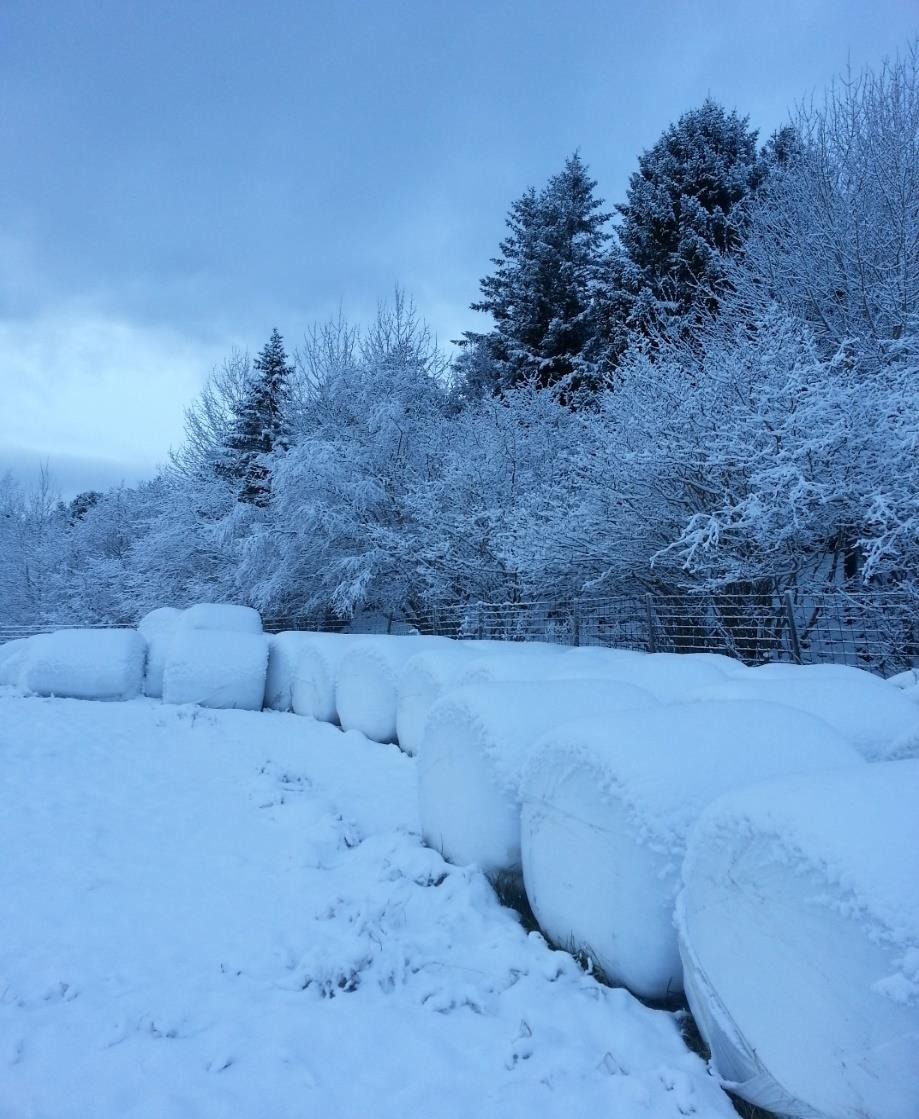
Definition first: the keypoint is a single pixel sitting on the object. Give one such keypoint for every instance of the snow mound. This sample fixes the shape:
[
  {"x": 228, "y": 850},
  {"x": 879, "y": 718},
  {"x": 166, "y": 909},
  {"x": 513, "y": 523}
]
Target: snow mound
[
  {"x": 907, "y": 682},
  {"x": 880, "y": 722},
  {"x": 366, "y": 683},
  {"x": 12, "y": 659},
  {"x": 217, "y": 668},
  {"x": 85, "y": 664},
  {"x": 222, "y": 616},
  {"x": 799, "y": 930},
  {"x": 476, "y": 742},
  {"x": 284, "y": 651},
  {"x": 606, "y": 808},
  {"x": 157, "y": 629}
]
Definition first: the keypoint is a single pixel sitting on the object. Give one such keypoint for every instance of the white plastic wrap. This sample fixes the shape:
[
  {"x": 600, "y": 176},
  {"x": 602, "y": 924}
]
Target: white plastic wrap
[
  {"x": 157, "y": 629},
  {"x": 799, "y": 931},
  {"x": 284, "y": 651},
  {"x": 12, "y": 660},
  {"x": 85, "y": 664},
  {"x": 217, "y": 668},
  {"x": 607, "y": 806},
  {"x": 476, "y": 742},
  {"x": 366, "y": 683}
]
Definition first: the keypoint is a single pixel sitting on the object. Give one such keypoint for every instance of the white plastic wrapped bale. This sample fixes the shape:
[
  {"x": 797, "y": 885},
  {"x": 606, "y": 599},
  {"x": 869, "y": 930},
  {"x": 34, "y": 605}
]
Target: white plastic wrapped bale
[
  {"x": 312, "y": 690},
  {"x": 216, "y": 668},
  {"x": 880, "y": 722},
  {"x": 12, "y": 659},
  {"x": 606, "y": 808},
  {"x": 799, "y": 931},
  {"x": 366, "y": 683},
  {"x": 222, "y": 616},
  {"x": 423, "y": 679},
  {"x": 284, "y": 652},
  {"x": 476, "y": 742},
  {"x": 85, "y": 664},
  {"x": 157, "y": 629}
]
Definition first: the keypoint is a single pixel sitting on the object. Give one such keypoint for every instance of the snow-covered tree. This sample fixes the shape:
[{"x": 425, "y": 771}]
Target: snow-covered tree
[
  {"x": 543, "y": 292},
  {"x": 682, "y": 217}
]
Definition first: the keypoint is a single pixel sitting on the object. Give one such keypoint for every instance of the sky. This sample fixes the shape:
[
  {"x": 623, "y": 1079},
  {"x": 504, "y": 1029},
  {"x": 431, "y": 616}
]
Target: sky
[{"x": 181, "y": 176}]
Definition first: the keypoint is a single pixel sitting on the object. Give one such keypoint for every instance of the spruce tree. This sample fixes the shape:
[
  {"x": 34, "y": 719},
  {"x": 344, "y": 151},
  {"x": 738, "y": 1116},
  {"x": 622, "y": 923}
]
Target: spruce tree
[
  {"x": 259, "y": 428},
  {"x": 682, "y": 217},
  {"x": 543, "y": 292}
]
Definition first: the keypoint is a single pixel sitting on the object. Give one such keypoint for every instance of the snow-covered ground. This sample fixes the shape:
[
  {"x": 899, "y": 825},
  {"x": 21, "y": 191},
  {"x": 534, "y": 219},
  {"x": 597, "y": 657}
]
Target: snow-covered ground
[{"x": 230, "y": 914}]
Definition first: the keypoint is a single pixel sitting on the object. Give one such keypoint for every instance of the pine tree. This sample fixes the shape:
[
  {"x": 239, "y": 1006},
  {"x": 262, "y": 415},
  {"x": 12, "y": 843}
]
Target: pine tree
[
  {"x": 543, "y": 292},
  {"x": 259, "y": 426},
  {"x": 682, "y": 217}
]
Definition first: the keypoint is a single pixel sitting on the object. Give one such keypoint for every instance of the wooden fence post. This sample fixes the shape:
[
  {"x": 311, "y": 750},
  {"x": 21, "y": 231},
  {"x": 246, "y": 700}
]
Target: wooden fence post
[
  {"x": 792, "y": 626},
  {"x": 652, "y": 640}
]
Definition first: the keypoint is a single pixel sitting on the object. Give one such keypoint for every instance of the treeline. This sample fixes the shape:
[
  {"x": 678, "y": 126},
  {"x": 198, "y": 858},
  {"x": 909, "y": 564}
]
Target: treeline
[{"x": 714, "y": 385}]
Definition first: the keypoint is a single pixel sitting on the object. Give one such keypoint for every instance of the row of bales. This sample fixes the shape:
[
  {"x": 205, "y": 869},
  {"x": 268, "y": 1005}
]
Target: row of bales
[{"x": 746, "y": 836}]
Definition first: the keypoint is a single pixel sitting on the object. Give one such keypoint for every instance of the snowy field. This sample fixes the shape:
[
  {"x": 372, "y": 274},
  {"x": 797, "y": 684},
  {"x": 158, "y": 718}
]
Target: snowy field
[{"x": 225, "y": 913}]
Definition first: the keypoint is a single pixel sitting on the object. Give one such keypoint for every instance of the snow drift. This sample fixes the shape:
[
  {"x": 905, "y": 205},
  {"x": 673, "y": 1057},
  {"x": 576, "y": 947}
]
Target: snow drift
[
  {"x": 12, "y": 659},
  {"x": 216, "y": 668},
  {"x": 85, "y": 664},
  {"x": 606, "y": 807},
  {"x": 157, "y": 629},
  {"x": 476, "y": 741},
  {"x": 799, "y": 931},
  {"x": 877, "y": 719},
  {"x": 366, "y": 683},
  {"x": 222, "y": 616}
]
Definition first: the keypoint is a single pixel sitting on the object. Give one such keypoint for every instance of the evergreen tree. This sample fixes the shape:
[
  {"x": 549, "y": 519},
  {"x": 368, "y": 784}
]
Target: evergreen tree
[
  {"x": 259, "y": 427},
  {"x": 682, "y": 217},
  {"x": 543, "y": 292}
]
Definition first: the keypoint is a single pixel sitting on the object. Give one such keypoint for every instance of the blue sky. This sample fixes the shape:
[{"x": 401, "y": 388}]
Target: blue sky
[{"x": 180, "y": 177}]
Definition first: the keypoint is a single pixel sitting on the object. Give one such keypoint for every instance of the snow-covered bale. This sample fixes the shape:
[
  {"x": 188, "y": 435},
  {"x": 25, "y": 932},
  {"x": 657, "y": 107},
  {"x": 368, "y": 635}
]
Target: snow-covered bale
[
  {"x": 222, "y": 616},
  {"x": 85, "y": 664},
  {"x": 367, "y": 679},
  {"x": 12, "y": 659},
  {"x": 423, "y": 679},
  {"x": 217, "y": 668},
  {"x": 476, "y": 743},
  {"x": 879, "y": 721},
  {"x": 799, "y": 931},
  {"x": 284, "y": 652},
  {"x": 157, "y": 629},
  {"x": 606, "y": 808},
  {"x": 312, "y": 690},
  {"x": 907, "y": 682}
]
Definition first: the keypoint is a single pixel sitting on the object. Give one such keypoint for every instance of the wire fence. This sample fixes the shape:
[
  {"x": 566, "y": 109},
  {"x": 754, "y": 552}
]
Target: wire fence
[{"x": 873, "y": 630}]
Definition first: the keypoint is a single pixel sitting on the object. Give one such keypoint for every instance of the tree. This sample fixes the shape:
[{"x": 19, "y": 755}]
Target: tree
[
  {"x": 260, "y": 427},
  {"x": 683, "y": 216},
  {"x": 543, "y": 292}
]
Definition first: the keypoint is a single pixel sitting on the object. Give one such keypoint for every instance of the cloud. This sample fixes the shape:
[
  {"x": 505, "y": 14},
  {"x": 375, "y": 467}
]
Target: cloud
[{"x": 85, "y": 385}]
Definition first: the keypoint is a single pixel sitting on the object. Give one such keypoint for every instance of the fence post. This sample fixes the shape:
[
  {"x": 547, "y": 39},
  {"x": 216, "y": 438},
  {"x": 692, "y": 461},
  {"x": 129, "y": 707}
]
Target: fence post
[
  {"x": 576, "y": 622},
  {"x": 792, "y": 626},
  {"x": 652, "y": 640}
]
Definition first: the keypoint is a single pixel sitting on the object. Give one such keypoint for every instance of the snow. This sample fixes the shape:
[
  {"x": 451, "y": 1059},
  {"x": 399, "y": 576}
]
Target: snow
[
  {"x": 366, "y": 682},
  {"x": 12, "y": 658},
  {"x": 228, "y": 913},
  {"x": 85, "y": 664},
  {"x": 216, "y": 668},
  {"x": 879, "y": 721},
  {"x": 907, "y": 682},
  {"x": 284, "y": 651},
  {"x": 799, "y": 929},
  {"x": 157, "y": 629},
  {"x": 222, "y": 616},
  {"x": 606, "y": 808},
  {"x": 476, "y": 742}
]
